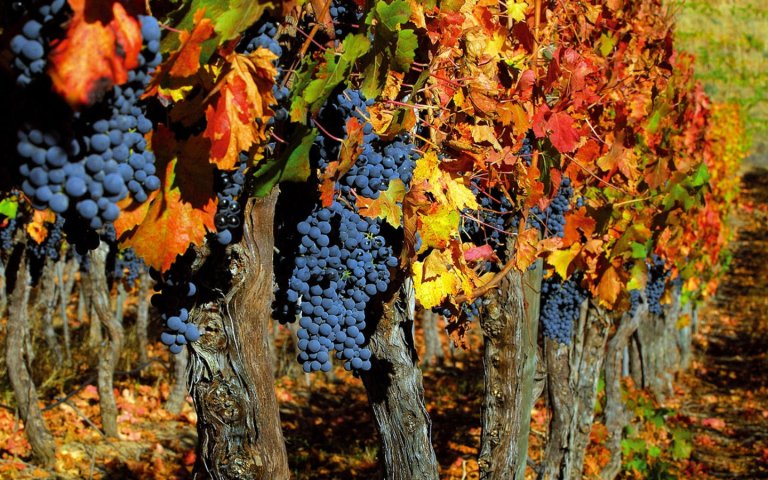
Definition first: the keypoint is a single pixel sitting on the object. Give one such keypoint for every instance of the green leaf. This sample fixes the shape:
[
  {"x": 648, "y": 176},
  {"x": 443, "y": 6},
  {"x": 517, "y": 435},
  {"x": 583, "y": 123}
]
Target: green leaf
[
  {"x": 294, "y": 168},
  {"x": 392, "y": 15},
  {"x": 701, "y": 176},
  {"x": 681, "y": 444},
  {"x": 230, "y": 18},
  {"x": 373, "y": 80},
  {"x": 407, "y": 43},
  {"x": 301, "y": 79},
  {"x": 335, "y": 70},
  {"x": 639, "y": 250},
  {"x": 9, "y": 207}
]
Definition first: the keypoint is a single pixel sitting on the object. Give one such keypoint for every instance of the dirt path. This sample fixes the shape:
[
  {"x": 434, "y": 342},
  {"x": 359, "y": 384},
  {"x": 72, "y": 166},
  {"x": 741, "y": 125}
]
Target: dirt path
[{"x": 728, "y": 398}]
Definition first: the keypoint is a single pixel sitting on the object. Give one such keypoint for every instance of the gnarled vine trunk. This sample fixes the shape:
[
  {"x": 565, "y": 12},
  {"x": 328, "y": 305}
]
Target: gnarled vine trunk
[
  {"x": 111, "y": 347},
  {"x": 17, "y": 361},
  {"x": 510, "y": 329},
  {"x": 586, "y": 363},
  {"x": 231, "y": 377},
  {"x": 396, "y": 393},
  {"x": 616, "y": 416}
]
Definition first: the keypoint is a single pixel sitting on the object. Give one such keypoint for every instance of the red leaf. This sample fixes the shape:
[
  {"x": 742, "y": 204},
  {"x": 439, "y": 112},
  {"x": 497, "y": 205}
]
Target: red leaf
[
  {"x": 100, "y": 47},
  {"x": 563, "y": 135},
  {"x": 474, "y": 254},
  {"x": 178, "y": 215}
]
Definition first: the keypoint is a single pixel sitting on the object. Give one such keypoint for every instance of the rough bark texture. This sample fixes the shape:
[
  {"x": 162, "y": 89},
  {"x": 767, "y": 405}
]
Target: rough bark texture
[
  {"x": 179, "y": 389},
  {"x": 433, "y": 349},
  {"x": 396, "y": 394},
  {"x": 109, "y": 350},
  {"x": 586, "y": 363},
  {"x": 510, "y": 326},
  {"x": 41, "y": 440},
  {"x": 231, "y": 378},
  {"x": 46, "y": 305},
  {"x": 616, "y": 416},
  {"x": 65, "y": 275},
  {"x": 561, "y": 402},
  {"x": 142, "y": 315}
]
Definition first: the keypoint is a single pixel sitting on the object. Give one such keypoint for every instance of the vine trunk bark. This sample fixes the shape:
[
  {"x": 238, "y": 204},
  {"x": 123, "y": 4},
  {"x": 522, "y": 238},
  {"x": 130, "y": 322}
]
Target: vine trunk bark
[
  {"x": 586, "y": 363},
  {"x": 230, "y": 375},
  {"x": 396, "y": 393},
  {"x": 510, "y": 329},
  {"x": 17, "y": 361},
  {"x": 111, "y": 347}
]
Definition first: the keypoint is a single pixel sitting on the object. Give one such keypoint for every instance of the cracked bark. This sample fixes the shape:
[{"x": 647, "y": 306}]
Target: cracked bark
[
  {"x": 586, "y": 362},
  {"x": 17, "y": 361},
  {"x": 396, "y": 393},
  {"x": 230, "y": 374},
  {"x": 109, "y": 350},
  {"x": 510, "y": 328}
]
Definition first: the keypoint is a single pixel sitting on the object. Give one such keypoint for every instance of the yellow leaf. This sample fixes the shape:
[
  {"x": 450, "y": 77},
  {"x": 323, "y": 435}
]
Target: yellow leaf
[
  {"x": 438, "y": 226},
  {"x": 525, "y": 248},
  {"x": 387, "y": 206},
  {"x": 516, "y": 10},
  {"x": 432, "y": 281},
  {"x": 561, "y": 259},
  {"x": 446, "y": 189}
]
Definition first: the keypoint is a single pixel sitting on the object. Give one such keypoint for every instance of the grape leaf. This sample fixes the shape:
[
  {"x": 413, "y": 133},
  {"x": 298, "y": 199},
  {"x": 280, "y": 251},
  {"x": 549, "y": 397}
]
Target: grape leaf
[
  {"x": 242, "y": 96},
  {"x": 387, "y": 206},
  {"x": 334, "y": 70},
  {"x": 185, "y": 60},
  {"x": 432, "y": 280},
  {"x": 407, "y": 42},
  {"x": 438, "y": 225},
  {"x": 294, "y": 168},
  {"x": 561, "y": 259},
  {"x": 112, "y": 40},
  {"x": 9, "y": 207},
  {"x": 446, "y": 189},
  {"x": 609, "y": 287},
  {"x": 564, "y": 136},
  {"x": 179, "y": 214}
]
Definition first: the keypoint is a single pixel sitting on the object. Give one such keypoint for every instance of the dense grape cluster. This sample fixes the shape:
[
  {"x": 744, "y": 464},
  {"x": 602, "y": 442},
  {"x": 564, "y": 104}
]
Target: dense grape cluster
[
  {"x": 657, "y": 279},
  {"x": 228, "y": 213},
  {"x": 105, "y": 160},
  {"x": 551, "y": 222},
  {"x": 560, "y": 307},
  {"x": 343, "y": 259},
  {"x": 31, "y": 45},
  {"x": 345, "y": 15},
  {"x": 7, "y": 233},
  {"x": 489, "y": 223},
  {"x": 50, "y": 247},
  {"x": 128, "y": 267},
  {"x": 172, "y": 301}
]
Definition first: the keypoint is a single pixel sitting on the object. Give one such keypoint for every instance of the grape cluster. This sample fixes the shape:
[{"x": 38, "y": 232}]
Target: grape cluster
[
  {"x": 344, "y": 18},
  {"x": 657, "y": 279},
  {"x": 343, "y": 259},
  {"x": 551, "y": 222},
  {"x": 7, "y": 233},
  {"x": 229, "y": 187},
  {"x": 490, "y": 221},
  {"x": 106, "y": 160},
  {"x": 560, "y": 306},
  {"x": 128, "y": 267},
  {"x": 31, "y": 45},
  {"x": 51, "y": 246},
  {"x": 174, "y": 294}
]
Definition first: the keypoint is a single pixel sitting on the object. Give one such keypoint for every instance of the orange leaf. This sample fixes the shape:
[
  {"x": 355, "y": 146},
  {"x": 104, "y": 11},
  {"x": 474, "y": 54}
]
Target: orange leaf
[
  {"x": 525, "y": 248},
  {"x": 238, "y": 114},
  {"x": 180, "y": 213},
  {"x": 186, "y": 60},
  {"x": 102, "y": 44},
  {"x": 609, "y": 287}
]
